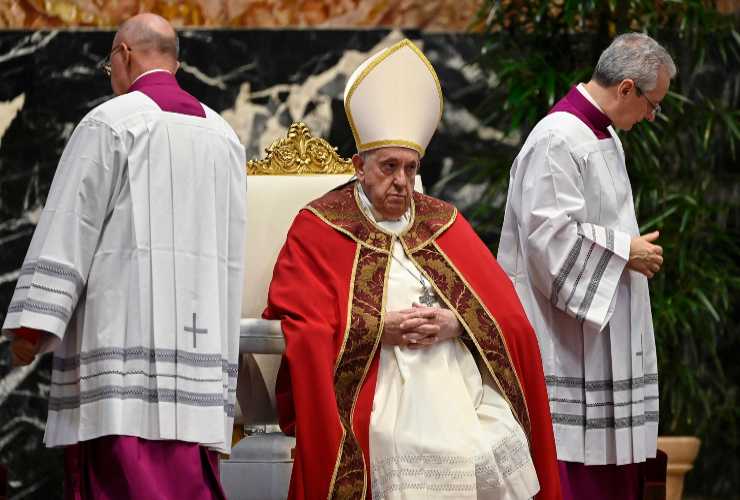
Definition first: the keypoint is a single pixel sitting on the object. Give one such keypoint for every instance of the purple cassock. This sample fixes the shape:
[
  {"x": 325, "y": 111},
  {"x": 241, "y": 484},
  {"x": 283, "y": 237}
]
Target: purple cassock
[
  {"x": 579, "y": 481},
  {"x": 578, "y": 105},
  {"x": 128, "y": 467}
]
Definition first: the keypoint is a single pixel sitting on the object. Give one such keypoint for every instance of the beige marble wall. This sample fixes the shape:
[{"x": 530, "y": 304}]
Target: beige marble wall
[{"x": 430, "y": 15}]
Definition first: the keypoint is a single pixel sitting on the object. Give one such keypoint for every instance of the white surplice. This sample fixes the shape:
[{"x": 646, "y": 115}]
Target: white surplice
[
  {"x": 565, "y": 243},
  {"x": 136, "y": 269},
  {"x": 438, "y": 429}
]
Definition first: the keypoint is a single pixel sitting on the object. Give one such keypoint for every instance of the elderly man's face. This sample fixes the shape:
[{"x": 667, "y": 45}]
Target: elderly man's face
[
  {"x": 635, "y": 106},
  {"x": 387, "y": 177}
]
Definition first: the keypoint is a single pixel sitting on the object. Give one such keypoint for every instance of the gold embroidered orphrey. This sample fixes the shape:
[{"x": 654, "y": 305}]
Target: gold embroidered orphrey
[{"x": 300, "y": 153}]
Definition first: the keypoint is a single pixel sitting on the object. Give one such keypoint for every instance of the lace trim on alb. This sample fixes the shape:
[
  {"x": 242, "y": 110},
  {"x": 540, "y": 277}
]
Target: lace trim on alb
[{"x": 453, "y": 474}]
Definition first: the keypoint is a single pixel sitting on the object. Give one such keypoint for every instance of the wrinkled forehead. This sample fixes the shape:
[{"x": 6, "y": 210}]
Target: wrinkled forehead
[{"x": 397, "y": 153}]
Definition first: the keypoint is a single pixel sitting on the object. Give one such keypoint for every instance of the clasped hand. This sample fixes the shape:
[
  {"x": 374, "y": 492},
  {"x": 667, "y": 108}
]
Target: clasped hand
[
  {"x": 419, "y": 326},
  {"x": 645, "y": 257}
]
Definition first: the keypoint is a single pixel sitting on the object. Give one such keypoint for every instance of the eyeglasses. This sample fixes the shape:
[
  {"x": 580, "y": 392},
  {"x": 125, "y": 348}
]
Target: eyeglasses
[
  {"x": 656, "y": 107},
  {"x": 104, "y": 65}
]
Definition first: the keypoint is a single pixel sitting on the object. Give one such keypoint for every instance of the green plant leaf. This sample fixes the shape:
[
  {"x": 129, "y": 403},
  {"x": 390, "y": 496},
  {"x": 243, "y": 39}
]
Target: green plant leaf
[
  {"x": 653, "y": 223},
  {"x": 708, "y": 305}
]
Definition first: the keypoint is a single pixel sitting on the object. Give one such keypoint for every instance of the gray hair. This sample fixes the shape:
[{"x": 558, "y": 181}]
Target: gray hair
[
  {"x": 365, "y": 154},
  {"x": 635, "y": 56}
]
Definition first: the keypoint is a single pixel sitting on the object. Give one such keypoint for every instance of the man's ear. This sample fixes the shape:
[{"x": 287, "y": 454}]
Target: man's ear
[
  {"x": 625, "y": 87},
  {"x": 125, "y": 53},
  {"x": 359, "y": 164}
]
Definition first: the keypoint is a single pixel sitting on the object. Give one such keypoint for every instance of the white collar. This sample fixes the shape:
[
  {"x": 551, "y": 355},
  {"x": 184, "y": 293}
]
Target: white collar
[
  {"x": 582, "y": 89},
  {"x": 148, "y": 73}
]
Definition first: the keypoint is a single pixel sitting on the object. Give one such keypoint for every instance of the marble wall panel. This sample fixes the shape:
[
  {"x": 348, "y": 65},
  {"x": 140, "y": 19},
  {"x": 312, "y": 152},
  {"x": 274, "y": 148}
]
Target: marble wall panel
[{"x": 259, "y": 80}]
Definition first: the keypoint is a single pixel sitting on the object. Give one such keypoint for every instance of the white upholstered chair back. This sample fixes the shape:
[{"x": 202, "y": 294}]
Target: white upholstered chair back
[{"x": 297, "y": 169}]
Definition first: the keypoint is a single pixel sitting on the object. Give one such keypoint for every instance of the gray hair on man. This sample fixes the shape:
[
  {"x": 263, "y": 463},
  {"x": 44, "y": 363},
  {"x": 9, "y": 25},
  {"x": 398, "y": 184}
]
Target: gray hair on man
[{"x": 635, "y": 56}]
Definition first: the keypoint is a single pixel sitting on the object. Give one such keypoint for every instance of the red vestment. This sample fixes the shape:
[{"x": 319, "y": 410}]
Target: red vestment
[{"x": 328, "y": 290}]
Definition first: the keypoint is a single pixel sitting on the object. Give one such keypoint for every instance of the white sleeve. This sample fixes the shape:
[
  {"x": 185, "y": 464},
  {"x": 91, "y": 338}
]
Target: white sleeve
[
  {"x": 58, "y": 260},
  {"x": 575, "y": 264}
]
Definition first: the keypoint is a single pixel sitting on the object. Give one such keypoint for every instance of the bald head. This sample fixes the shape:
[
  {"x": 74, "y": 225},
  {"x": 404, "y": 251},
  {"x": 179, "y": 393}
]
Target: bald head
[
  {"x": 143, "y": 43},
  {"x": 151, "y": 35}
]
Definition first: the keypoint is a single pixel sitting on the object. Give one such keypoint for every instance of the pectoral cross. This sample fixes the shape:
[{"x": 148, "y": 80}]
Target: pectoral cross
[
  {"x": 427, "y": 298},
  {"x": 195, "y": 330}
]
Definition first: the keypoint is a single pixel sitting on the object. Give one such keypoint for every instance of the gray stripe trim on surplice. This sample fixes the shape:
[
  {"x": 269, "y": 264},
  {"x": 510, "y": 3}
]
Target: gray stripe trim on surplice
[
  {"x": 605, "y": 403},
  {"x": 135, "y": 373},
  {"x": 570, "y": 262},
  {"x": 39, "y": 307},
  {"x": 46, "y": 289},
  {"x": 602, "y": 385},
  {"x": 580, "y": 274},
  {"x": 605, "y": 423},
  {"x": 54, "y": 269},
  {"x": 593, "y": 286},
  {"x": 140, "y": 393},
  {"x": 143, "y": 353}
]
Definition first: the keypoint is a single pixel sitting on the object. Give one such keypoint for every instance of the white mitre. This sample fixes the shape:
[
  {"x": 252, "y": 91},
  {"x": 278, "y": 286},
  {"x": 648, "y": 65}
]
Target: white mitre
[{"x": 394, "y": 99}]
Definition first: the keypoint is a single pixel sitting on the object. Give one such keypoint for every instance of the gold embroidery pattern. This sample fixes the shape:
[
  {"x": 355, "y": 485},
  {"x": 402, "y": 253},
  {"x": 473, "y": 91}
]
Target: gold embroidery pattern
[
  {"x": 362, "y": 340},
  {"x": 486, "y": 335},
  {"x": 339, "y": 209},
  {"x": 431, "y": 219}
]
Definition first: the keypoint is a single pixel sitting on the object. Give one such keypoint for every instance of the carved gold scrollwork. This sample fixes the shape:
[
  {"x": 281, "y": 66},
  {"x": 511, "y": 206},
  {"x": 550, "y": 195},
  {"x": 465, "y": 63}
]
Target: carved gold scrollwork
[{"x": 299, "y": 153}]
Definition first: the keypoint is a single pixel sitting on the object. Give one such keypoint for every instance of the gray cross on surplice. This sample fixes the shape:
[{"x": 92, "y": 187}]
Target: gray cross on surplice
[{"x": 195, "y": 330}]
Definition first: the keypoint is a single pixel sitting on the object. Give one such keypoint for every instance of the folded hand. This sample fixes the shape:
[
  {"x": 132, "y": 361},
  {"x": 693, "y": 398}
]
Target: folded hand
[{"x": 420, "y": 326}]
